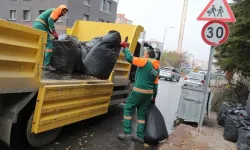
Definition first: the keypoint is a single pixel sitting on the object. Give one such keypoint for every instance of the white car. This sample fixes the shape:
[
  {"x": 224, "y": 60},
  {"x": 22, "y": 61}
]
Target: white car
[
  {"x": 196, "y": 78},
  {"x": 203, "y": 72},
  {"x": 169, "y": 74}
]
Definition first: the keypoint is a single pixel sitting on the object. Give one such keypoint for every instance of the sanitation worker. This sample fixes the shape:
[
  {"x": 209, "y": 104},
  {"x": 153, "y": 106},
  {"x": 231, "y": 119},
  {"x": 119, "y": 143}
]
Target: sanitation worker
[
  {"x": 143, "y": 94},
  {"x": 46, "y": 22}
]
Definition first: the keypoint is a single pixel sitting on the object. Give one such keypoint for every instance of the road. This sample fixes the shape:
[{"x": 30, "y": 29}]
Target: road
[
  {"x": 168, "y": 99},
  {"x": 101, "y": 132}
]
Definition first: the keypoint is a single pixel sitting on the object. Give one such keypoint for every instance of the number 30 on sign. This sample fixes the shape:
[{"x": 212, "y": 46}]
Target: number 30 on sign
[{"x": 215, "y": 33}]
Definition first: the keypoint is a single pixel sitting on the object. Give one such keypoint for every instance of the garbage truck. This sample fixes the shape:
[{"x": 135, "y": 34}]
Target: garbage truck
[{"x": 33, "y": 109}]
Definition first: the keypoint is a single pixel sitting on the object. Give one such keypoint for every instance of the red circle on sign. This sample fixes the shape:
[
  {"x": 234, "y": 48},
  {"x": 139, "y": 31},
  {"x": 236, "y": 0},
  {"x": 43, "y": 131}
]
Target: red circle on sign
[{"x": 223, "y": 40}]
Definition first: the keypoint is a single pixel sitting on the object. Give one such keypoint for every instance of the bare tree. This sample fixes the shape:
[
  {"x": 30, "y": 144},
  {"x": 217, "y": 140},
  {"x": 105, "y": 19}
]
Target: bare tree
[{"x": 174, "y": 59}]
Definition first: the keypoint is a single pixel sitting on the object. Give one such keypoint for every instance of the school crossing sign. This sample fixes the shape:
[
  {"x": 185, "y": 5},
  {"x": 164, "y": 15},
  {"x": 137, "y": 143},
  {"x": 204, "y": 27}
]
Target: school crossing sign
[{"x": 217, "y": 10}]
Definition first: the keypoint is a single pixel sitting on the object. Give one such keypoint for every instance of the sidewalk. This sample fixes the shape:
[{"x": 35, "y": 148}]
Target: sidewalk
[{"x": 186, "y": 137}]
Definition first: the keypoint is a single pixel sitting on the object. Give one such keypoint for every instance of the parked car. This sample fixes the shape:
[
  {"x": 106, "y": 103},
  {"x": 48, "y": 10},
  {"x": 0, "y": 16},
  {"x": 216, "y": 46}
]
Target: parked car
[
  {"x": 196, "y": 78},
  {"x": 169, "y": 74},
  {"x": 203, "y": 72}
]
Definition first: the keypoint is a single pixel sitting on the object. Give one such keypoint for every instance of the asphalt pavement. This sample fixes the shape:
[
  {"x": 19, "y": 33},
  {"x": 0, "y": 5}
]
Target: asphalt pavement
[
  {"x": 101, "y": 132},
  {"x": 167, "y": 100}
]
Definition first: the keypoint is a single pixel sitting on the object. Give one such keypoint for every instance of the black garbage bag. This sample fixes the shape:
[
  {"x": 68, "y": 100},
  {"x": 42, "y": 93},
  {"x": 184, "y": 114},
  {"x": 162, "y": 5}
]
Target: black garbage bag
[
  {"x": 64, "y": 54},
  {"x": 243, "y": 142},
  {"x": 225, "y": 110},
  {"x": 82, "y": 51},
  {"x": 78, "y": 59},
  {"x": 78, "y": 63},
  {"x": 101, "y": 59},
  {"x": 155, "y": 129},
  {"x": 248, "y": 107},
  {"x": 85, "y": 49},
  {"x": 81, "y": 54},
  {"x": 231, "y": 128},
  {"x": 241, "y": 113},
  {"x": 89, "y": 45},
  {"x": 73, "y": 39}
]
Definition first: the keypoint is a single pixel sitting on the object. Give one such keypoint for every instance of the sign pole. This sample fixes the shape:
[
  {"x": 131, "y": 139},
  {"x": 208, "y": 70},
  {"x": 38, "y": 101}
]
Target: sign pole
[
  {"x": 208, "y": 78},
  {"x": 214, "y": 33}
]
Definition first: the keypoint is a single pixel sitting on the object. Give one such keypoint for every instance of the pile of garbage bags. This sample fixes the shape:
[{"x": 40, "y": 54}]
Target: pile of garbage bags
[
  {"x": 93, "y": 58},
  {"x": 236, "y": 120},
  {"x": 227, "y": 109}
]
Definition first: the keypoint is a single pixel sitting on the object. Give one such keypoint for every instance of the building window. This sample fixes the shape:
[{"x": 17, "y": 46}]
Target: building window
[
  {"x": 26, "y": 15},
  {"x": 85, "y": 17},
  {"x": 12, "y": 15},
  {"x": 87, "y": 2},
  {"x": 101, "y": 20},
  {"x": 41, "y": 11},
  {"x": 108, "y": 10},
  {"x": 103, "y": 5}
]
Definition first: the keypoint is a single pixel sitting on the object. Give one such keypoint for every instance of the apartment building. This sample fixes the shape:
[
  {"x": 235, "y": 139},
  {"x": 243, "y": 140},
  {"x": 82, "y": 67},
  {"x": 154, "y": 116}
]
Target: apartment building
[
  {"x": 121, "y": 19},
  {"x": 26, "y": 11}
]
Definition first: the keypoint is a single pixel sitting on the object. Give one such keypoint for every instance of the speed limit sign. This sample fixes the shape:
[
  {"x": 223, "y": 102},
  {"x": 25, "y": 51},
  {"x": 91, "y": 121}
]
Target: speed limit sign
[{"x": 215, "y": 33}]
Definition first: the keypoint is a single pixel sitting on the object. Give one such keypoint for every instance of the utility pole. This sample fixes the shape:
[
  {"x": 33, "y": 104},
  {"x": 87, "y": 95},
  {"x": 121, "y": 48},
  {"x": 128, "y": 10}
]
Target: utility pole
[{"x": 166, "y": 28}]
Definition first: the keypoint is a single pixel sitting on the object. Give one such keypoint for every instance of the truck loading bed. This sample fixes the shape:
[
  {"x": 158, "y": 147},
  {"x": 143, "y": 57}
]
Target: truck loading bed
[
  {"x": 58, "y": 77},
  {"x": 66, "y": 98}
]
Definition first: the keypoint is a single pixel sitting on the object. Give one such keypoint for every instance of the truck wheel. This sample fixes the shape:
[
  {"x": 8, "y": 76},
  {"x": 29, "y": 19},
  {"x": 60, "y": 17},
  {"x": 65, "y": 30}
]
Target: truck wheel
[
  {"x": 178, "y": 79},
  {"x": 41, "y": 139}
]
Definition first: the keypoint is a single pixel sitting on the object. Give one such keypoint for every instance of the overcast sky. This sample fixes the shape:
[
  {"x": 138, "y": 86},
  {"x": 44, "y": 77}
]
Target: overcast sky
[{"x": 155, "y": 15}]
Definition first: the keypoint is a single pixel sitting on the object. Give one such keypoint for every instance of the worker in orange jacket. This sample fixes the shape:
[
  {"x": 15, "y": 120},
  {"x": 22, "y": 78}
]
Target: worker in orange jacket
[
  {"x": 143, "y": 94},
  {"x": 46, "y": 22}
]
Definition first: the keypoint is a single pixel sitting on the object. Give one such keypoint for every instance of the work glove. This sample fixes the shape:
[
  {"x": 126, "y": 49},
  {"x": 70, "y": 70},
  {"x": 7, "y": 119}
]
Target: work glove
[
  {"x": 55, "y": 34},
  {"x": 153, "y": 101},
  {"x": 124, "y": 44}
]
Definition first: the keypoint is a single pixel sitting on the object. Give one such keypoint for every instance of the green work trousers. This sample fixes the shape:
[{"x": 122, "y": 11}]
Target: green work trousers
[
  {"x": 142, "y": 103},
  {"x": 49, "y": 45}
]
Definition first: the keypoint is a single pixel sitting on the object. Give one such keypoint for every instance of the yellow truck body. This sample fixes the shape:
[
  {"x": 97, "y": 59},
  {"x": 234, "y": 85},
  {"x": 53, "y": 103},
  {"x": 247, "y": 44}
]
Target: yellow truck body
[
  {"x": 59, "y": 102},
  {"x": 21, "y": 57}
]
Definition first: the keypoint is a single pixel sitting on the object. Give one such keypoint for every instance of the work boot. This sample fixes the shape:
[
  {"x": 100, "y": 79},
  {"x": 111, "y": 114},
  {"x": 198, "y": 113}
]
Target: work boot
[
  {"x": 137, "y": 139},
  {"x": 124, "y": 136},
  {"x": 49, "y": 68}
]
